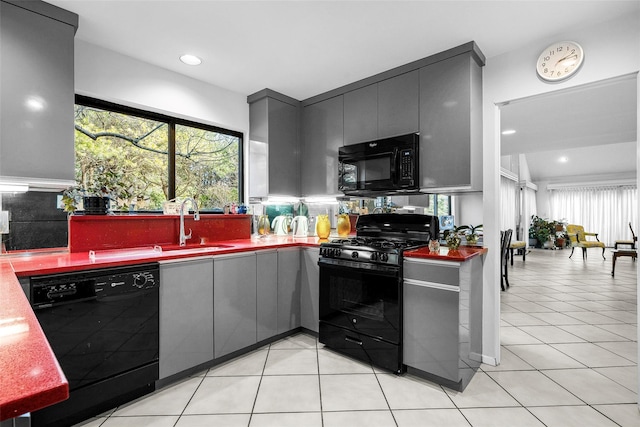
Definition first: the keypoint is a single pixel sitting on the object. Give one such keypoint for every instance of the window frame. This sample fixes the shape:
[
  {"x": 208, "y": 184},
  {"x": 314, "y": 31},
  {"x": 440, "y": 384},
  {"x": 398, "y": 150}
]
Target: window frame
[{"x": 172, "y": 122}]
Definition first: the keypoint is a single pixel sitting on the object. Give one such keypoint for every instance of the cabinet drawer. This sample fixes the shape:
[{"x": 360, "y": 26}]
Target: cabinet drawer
[
  {"x": 360, "y": 346},
  {"x": 444, "y": 272}
]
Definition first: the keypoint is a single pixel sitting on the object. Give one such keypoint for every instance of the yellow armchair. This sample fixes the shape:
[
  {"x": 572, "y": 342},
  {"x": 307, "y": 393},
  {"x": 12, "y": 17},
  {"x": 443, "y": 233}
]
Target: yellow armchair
[{"x": 578, "y": 239}]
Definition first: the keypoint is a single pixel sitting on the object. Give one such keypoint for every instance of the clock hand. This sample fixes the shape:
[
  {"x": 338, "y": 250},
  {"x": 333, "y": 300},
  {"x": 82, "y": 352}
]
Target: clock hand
[{"x": 572, "y": 56}]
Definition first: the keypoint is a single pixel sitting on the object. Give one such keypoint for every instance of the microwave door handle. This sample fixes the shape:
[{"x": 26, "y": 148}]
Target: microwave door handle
[{"x": 394, "y": 165}]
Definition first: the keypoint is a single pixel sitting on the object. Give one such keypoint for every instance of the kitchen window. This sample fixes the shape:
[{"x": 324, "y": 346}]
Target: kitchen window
[
  {"x": 439, "y": 204},
  {"x": 142, "y": 159}
]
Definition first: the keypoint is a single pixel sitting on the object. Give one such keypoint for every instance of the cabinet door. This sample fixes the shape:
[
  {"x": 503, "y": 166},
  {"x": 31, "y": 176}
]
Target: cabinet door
[
  {"x": 288, "y": 289},
  {"x": 234, "y": 302},
  {"x": 322, "y": 136},
  {"x": 398, "y": 105},
  {"x": 450, "y": 149},
  {"x": 267, "y": 292},
  {"x": 361, "y": 115},
  {"x": 186, "y": 315},
  {"x": 284, "y": 148},
  {"x": 431, "y": 328},
  {"x": 310, "y": 289},
  {"x": 37, "y": 67}
]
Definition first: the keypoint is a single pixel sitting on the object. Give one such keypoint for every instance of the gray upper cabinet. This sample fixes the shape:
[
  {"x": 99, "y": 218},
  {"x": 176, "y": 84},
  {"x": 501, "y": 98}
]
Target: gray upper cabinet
[
  {"x": 322, "y": 125},
  {"x": 451, "y": 125},
  {"x": 361, "y": 115},
  {"x": 388, "y": 108},
  {"x": 439, "y": 96},
  {"x": 274, "y": 144},
  {"x": 398, "y": 105},
  {"x": 186, "y": 315},
  {"x": 234, "y": 302},
  {"x": 36, "y": 46}
]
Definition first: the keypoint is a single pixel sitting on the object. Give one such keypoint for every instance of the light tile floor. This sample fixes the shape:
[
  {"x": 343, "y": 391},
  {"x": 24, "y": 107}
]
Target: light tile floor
[{"x": 569, "y": 358}]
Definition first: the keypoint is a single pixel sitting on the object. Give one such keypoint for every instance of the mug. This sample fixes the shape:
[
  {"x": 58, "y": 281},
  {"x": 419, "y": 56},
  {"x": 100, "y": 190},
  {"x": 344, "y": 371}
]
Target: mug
[
  {"x": 280, "y": 225},
  {"x": 300, "y": 226}
]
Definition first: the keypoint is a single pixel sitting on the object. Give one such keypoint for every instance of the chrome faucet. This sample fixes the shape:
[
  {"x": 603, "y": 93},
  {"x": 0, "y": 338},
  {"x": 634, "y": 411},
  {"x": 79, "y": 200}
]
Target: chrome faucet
[{"x": 196, "y": 217}]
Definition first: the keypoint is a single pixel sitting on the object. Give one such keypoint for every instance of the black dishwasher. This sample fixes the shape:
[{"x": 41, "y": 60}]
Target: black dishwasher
[{"x": 103, "y": 328}]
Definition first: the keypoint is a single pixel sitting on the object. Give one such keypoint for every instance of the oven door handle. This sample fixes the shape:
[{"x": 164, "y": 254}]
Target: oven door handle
[{"x": 381, "y": 270}]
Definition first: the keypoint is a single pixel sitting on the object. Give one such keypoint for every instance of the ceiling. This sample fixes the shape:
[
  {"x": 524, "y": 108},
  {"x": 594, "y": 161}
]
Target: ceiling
[
  {"x": 593, "y": 127},
  {"x": 304, "y": 48}
]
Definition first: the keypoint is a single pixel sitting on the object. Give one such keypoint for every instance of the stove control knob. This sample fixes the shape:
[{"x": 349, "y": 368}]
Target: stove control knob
[
  {"x": 354, "y": 254},
  {"x": 337, "y": 252},
  {"x": 374, "y": 256},
  {"x": 139, "y": 280},
  {"x": 384, "y": 257}
]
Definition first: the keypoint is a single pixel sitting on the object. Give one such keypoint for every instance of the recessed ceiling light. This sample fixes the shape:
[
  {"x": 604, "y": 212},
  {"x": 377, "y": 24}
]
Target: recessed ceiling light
[
  {"x": 191, "y": 60},
  {"x": 563, "y": 159},
  {"x": 508, "y": 132}
]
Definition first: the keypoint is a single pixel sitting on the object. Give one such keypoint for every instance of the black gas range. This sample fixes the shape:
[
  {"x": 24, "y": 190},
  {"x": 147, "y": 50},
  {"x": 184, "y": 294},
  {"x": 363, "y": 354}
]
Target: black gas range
[{"x": 361, "y": 286}]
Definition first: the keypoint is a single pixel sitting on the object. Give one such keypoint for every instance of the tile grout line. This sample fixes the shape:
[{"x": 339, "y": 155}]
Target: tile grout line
[{"x": 255, "y": 399}]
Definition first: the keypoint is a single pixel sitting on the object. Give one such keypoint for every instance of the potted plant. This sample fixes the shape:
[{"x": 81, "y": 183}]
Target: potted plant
[
  {"x": 544, "y": 231},
  {"x": 453, "y": 239},
  {"x": 93, "y": 202},
  {"x": 470, "y": 233}
]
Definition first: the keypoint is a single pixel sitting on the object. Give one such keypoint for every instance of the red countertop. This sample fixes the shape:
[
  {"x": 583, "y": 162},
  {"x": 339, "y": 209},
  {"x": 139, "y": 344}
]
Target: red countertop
[
  {"x": 31, "y": 376},
  {"x": 463, "y": 253}
]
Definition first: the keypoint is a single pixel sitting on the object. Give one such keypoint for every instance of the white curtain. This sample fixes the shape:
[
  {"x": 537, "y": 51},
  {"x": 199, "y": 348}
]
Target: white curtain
[
  {"x": 529, "y": 208},
  {"x": 603, "y": 210},
  {"x": 508, "y": 210}
]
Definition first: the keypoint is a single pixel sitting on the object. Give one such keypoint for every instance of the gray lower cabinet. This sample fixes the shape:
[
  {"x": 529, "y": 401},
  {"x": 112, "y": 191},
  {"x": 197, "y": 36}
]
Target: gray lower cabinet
[
  {"x": 267, "y": 293},
  {"x": 442, "y": 335},
  {"x": 451, "y": 125},
  {"x": 288, "y": 289},
  {"x": 322, "y": 136},
  {"x": 36, "y": 76},
  {"x": 234, "y": 302},
  {"x": 310, "y": 289},
  {"x": 186, "y": 314}
]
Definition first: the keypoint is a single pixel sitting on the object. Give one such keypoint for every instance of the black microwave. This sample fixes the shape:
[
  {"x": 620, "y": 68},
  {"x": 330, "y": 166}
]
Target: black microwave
[{"x": 384, "y": 166}]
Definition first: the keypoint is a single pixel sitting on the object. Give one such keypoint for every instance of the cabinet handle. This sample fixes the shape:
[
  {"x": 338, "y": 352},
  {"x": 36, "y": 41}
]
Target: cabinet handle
[
  {"x": 432, "y": 285},
  {"x": 353, "y": 340}
]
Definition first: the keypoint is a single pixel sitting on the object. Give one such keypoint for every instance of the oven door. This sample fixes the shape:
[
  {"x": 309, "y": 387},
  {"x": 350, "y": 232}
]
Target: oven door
[{"x": 364, "y": 300}]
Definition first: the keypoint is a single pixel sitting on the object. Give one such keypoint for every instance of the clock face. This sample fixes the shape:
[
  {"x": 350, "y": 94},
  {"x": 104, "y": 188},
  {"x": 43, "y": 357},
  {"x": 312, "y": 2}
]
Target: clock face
[{"x": 559, "y": 61}]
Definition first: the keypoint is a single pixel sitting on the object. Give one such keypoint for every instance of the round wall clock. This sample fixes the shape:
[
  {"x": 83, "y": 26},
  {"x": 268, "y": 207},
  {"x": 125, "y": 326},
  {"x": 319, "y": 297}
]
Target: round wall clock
[{"x": 559, "y": 61}]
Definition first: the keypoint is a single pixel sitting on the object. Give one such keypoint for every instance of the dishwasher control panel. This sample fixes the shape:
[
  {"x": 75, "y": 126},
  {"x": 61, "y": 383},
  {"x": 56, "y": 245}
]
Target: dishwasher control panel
[{"x": 94, "y": 284}]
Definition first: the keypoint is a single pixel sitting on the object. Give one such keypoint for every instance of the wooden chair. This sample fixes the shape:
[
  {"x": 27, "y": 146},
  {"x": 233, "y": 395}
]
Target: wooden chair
[
  {"x": 518, "y": 245},
  {"x": 578, "y": 239},
  {"x": 631, "y": 243},
  {"x": 505, "y": 241}
]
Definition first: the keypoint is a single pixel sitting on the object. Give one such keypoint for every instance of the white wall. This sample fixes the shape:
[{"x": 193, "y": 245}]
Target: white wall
[
  {"x": 611, "y": 50},
  {"x": 107, "y": 75}
]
